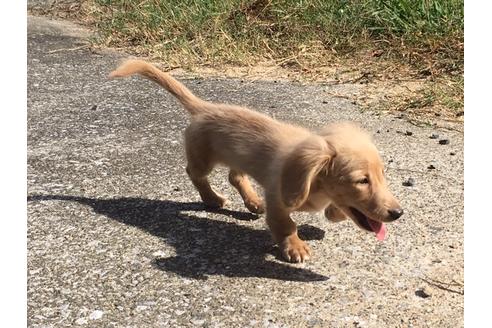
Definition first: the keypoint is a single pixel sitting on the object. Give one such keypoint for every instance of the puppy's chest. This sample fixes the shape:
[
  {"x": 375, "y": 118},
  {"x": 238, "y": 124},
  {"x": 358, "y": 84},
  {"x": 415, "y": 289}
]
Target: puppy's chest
[{"x": 316, "y": 201}]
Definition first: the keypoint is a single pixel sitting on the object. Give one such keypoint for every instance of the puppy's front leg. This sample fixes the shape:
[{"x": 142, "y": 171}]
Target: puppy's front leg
[
  {"x": 284, "y": 233},
  {"x": 334, "y": 214}
]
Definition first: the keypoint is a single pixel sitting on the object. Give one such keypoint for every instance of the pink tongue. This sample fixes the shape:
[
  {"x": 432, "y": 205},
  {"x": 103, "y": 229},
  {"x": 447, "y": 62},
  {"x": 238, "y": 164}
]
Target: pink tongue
[{"x": 379, "y": 228}]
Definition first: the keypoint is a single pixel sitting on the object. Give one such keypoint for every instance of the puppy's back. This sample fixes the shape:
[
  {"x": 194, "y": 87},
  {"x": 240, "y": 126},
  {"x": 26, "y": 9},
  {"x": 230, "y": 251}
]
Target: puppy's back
[{"x": 245, "y": 139}]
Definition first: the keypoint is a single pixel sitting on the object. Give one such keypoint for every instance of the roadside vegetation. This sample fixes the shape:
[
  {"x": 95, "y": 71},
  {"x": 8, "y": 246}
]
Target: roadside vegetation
[{"x": 406, "y": 54}]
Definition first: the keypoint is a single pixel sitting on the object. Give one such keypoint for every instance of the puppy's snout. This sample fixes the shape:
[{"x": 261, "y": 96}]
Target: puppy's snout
[{"x": 395, "y": 213}]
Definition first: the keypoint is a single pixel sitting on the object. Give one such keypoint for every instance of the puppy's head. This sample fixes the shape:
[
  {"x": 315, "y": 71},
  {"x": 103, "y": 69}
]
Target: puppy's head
[{"x": 343, "y": 164}]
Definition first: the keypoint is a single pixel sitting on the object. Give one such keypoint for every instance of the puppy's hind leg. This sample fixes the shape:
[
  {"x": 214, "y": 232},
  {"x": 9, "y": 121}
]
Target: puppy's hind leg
[
  {"x": 200, "y": 181},
  {"x": 199, "y": 166},
  {"x": 251, "y": 199}
]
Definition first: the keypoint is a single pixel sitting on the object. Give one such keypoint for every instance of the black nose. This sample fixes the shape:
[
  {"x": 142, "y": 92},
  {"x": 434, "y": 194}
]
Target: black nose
[{"x": 395, "y": 213}]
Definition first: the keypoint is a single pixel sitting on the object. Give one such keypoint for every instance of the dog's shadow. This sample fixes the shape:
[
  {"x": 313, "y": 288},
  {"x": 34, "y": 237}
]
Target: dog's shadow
[{"x": 203, "y": 246}]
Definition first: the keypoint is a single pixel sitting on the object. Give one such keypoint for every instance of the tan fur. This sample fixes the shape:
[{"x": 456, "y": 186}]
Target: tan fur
[{"x": 299, "y": 170}]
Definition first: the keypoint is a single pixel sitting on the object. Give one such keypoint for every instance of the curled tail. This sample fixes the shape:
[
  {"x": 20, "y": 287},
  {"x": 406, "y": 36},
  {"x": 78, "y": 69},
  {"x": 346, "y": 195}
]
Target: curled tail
[{"x": 133, "y": 66}]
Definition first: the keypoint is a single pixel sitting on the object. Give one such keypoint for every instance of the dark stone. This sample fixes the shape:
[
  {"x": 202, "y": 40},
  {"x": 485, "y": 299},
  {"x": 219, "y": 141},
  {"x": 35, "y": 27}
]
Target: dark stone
[
  {"x": 421, "y": 293},
  {"x": 434, "y": 136},
  {"x": 408, "y": 133},
  {"x": 431, "y": 167},
  {"x": 444, "y": 142},
  {"x": 410, "y": 182},
  {"x": 94, "y": 107}
]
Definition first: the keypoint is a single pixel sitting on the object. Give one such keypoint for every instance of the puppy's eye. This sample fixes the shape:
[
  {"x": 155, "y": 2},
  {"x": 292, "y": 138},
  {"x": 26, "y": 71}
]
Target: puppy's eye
[{"x": 363, "y": 181}]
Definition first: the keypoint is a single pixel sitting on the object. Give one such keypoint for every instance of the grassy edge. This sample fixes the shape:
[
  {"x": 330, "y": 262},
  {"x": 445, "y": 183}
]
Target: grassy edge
[{"x": 416, "y": 90}]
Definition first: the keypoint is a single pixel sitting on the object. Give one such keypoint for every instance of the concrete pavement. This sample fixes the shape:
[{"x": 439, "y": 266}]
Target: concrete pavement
[{"x": 117, "y": 236}]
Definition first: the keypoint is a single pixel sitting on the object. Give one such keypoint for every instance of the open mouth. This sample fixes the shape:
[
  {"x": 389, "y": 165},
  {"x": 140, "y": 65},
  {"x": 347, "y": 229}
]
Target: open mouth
[{"x": 368, "y": 224}]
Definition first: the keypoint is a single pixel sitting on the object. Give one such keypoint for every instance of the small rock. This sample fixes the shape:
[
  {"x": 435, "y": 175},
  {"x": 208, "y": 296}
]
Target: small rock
[
  {"x": 97, "y": 314},
  {"x": 94, "y": 107},
  {"x": 378, "y": 131},
  {"x": 324, "y": 102},
  {"x": 431, "y": 167},
  {"x": 460, "y": 114},
  {"x": 434, "y": 136},
  {"x": 141, "y": 308},
  {"x": 408, "y": 133},
  {"x": 452, "y": 153},
  {"x": 176, "y": 189},
  {"x": 410, "y": 182},
  {"x": 390, "y": 161},
  {"x": 81, "y": 321},
  {"x": 443, "y": 141},
  {"x": 422, "y": 293}
]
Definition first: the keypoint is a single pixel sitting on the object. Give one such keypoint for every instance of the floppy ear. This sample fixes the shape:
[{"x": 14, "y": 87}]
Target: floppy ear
[{"x": 300, "y": 167}]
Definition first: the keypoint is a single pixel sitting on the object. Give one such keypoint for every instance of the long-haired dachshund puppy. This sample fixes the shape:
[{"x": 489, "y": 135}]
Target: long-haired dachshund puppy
[{"x": 337, "y": 170}]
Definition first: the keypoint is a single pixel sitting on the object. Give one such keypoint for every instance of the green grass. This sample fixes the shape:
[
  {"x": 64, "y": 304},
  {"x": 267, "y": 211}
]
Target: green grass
[{"x": 243, "y": 32}]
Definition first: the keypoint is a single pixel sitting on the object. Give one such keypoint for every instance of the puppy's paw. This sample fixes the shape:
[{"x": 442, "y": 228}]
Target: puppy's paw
[
  {"x": 255, "y": 206},
  {"x": 215, "y": 201},
  {"x": 294, "y": 249}
]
